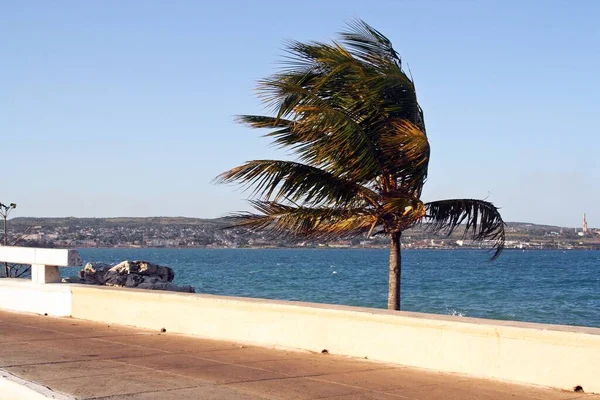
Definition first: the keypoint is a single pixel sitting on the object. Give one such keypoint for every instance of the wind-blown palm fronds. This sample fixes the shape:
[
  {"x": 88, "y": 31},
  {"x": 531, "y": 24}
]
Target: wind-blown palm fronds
[
  {"x": 313, "y": 222},
  {"x": 349, "y": 113},
  {"x": 481, "y": 220}
]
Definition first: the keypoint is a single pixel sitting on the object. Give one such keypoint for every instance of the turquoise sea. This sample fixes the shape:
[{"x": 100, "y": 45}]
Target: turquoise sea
[{"x": 559, "y": 287}]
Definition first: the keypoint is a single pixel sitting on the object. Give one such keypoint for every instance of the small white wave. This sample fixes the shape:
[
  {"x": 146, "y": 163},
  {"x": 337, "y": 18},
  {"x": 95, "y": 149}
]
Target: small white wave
[
  {"x": 455, "y": 313},
  {"x": 334, "y": 272}
]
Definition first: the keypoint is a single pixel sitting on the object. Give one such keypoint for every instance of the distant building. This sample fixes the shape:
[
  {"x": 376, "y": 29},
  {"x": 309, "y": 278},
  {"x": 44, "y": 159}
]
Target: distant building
[
  {"x": 585, "y": 231},
  {"x": 339, "y": 245},
  {"x": 33, "y": 236}
]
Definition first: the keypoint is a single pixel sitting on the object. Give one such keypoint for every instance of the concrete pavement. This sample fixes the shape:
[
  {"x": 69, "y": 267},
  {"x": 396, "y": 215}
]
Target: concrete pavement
[{"x": 85, "y": 360}]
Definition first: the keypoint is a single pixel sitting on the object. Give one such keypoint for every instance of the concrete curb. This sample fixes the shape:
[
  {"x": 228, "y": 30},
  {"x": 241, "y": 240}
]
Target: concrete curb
[{"x": 14, "y": 388}]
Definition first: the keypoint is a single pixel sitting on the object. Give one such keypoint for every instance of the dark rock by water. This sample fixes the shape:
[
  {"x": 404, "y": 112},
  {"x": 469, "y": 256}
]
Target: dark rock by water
[{"x": 132, "y": 274}]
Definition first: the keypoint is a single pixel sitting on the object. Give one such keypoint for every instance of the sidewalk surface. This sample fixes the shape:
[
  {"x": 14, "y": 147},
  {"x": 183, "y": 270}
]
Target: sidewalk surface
[{"x": 88, "y": 360}]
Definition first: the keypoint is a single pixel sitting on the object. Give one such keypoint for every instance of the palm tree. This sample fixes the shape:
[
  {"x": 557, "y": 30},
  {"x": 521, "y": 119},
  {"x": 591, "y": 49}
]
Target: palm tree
[{"x": 349, "y": 113}]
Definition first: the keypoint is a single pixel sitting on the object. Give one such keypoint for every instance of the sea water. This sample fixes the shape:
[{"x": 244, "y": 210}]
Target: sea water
[{"x": 558, "y": 287}]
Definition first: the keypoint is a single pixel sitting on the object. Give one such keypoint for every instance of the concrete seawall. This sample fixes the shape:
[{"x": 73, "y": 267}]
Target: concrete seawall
[{"x": 548, "y": 355}]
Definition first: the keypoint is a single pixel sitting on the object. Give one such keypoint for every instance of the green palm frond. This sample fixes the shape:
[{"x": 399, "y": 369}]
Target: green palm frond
[
  {"x": 405, "y": 153},
  {"x": 259, "y": 121},
  {"x": 355, "y": 156},
  {"x": 283, "y": 220},
  {"x": 314, "y": 58},
  {"x": 368, "y": 44},
  {"x": 276, "y": 180},
  {"x": 482, "y": 220}
]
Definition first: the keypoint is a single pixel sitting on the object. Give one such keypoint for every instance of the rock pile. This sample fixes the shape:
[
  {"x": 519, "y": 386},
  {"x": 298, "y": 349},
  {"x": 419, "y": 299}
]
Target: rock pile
[{"x": 132, "y": 274}]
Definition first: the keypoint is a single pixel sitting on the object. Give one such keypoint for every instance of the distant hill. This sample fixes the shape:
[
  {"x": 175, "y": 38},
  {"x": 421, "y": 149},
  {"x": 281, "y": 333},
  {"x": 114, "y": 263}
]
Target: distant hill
[
  {"x": 529, "y": 225},
  {"x": 200, "y": 232}
]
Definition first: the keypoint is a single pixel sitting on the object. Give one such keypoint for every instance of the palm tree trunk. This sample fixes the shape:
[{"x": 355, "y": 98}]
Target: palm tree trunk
[{"x": 394, "y": 272}]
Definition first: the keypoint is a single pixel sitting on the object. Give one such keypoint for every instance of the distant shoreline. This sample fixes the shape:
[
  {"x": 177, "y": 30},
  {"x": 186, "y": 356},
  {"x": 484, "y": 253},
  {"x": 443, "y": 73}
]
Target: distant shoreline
[
  {"x": 163, "y": 232},
  {"x": 325, "y": 248}
]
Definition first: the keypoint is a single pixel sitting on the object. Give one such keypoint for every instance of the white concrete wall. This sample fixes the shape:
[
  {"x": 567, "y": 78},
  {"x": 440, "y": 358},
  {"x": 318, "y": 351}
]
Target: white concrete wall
[
  {"x": 547, "y": 355},
  {"x": 26, "y": 296}
]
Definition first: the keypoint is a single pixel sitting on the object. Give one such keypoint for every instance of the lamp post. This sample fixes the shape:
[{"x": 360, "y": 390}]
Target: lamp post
[{"x": 4, "y": 211}]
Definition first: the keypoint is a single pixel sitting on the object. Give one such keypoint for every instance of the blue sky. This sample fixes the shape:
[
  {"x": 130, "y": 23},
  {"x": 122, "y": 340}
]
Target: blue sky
[{"x": 113, "y": 108}]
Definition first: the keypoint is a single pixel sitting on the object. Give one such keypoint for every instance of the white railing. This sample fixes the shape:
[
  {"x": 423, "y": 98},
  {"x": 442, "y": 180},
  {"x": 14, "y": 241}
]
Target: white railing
[{"x": 44, "y": 262}]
